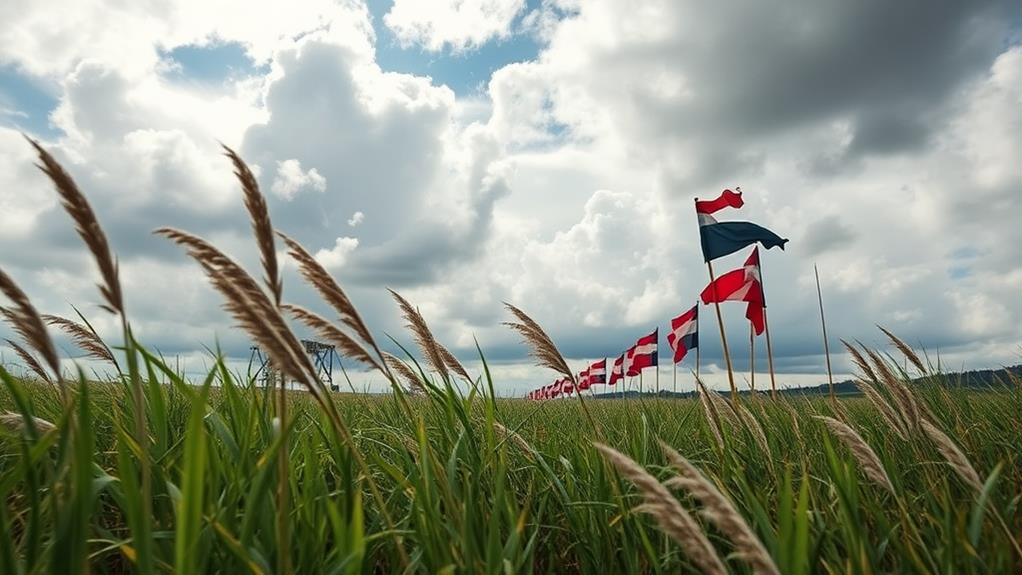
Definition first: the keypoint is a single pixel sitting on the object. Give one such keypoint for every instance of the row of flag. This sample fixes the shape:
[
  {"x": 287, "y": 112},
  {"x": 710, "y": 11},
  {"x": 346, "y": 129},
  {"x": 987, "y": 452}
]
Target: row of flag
[{"x": 718, "y": 239}]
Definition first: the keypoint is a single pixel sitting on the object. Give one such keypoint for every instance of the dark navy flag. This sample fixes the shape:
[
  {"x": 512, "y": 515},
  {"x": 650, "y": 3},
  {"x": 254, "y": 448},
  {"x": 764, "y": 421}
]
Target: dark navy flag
[{"x": 719, "y": 239}]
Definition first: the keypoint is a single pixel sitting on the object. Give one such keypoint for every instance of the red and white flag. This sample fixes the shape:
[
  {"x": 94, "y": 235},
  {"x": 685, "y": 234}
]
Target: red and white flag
[
  {"x": 598, "y": 373},
  {"x": 566, "y": 386},
  {"x": 742, "y": 284},
  {"x": 583, "y": 380},
  {"x": 617, "y": 373},
  {"x": 684, "y": 333},
  {"x": 642, "y": 355}
]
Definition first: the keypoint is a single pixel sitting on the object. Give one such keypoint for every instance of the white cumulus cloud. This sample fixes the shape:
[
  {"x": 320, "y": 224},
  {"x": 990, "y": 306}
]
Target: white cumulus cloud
[
  {"x": 291, "y": 180},
  {"x": 460, "y": 24}
]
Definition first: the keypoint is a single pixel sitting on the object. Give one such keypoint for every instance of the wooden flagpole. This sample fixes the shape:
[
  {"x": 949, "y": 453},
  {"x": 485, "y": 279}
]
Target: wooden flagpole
[
  {"x": 826, "y": 345},
  {"x": 752, "y": 358},
  {"x": 723, "y": 338},
  {"x": 766, "y": 326},
  {"x": 675, "y": 376},
  {"x": 640, "y": 381}
]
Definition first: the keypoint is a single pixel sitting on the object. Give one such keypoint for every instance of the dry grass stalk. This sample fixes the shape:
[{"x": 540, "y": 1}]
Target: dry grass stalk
[
  {"x": 954, "y": 456},
  {"x": 317, "y": 276},
  {"x": 512, "y": 436},
  {"x": 404, "y": 372},
  {"x": 861, "y": 451},
  {"x": 255, "y": 203},
  {"x": 669, "y": 514},
  {"x": 27, "y": 322},
  {"x": 16, "y": 422},
  {"x": 453, "y": 364},
  {"x": 250, "y": 307},
  {"x": 30, "y": 361},
  {"x": 902, "y": 396},
  {"x": 887, "y": 413},
  {"x": 721, "y": 512},
  {"x": 711, "y": 414},
  {"x": 344, "y": 342},
  {"x": 752, "y": 424},
  {"x": 860, "y": 362},
  {"x": 541, "y": 347},
  {"x": 87, "y": 226},
  {"x": 423, "y": 336},
  {"x": 905, "y": 350},
  {"x": 83, "y": 337}
]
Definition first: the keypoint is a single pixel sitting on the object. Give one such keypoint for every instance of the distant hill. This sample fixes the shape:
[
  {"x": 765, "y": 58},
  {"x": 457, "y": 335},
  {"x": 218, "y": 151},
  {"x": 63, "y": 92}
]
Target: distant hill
[{"x": 980, "y": 379}]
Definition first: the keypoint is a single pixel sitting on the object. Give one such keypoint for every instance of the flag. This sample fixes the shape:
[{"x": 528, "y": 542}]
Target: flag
[
  {"x": 719, "y": 239},
  {"x": 618, "y": 371},
  {"x": 742, "y": 284},
  {"x": 567, "y": 386},
  {"x": 684, "y": 333},
  {"x": 583, "y": 380},
  {"x": 555, "y": 389},
  {"x": 643, "y": 354},
  {"x": 598, "y": 373}
]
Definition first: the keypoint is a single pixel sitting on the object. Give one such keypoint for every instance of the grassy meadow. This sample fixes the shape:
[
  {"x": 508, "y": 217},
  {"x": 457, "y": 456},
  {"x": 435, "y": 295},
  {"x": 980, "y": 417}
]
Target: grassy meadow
[{"x": 147, "y": 472}]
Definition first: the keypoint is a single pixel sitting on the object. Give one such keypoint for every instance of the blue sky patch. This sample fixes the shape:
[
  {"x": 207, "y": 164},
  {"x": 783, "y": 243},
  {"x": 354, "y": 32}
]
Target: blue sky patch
[
  {"x": 26, "y": 103},
  {"x": 213, "y": 63}
]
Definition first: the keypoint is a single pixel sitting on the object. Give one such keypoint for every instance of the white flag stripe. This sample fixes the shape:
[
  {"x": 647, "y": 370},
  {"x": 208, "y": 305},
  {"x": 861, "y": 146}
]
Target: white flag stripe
[
  {"x": 685, "y": 329},
  {"x": 647, "y": 349}
]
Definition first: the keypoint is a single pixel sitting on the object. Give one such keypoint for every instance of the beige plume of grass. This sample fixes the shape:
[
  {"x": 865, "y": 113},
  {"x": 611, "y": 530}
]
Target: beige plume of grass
[
  {"x": 262, "y": 227},
  {"x": 721, "y": 512},
  {"x": 411, "y": 379},
  {"x": 860, "y": 361},
  {"x": 326, "y": 330},
  {"x": 954, "y": 456},
  {"x": 250, "y": 307},
  {"x": 30, "y": 361},
  {"x": 83, "y": 338},
  {"x": 902, "y": 396},
  {"x": 670, "y": 516},
  {"x": 27, "y": 323},
  {"x": 905, "y": 350},
  {"x": 541, "y": 347},
  {"x": 87, "y": 226},
  {"x": 893, "y": 420},
  {"x": 711, "y": 414},
  {"x": 421, "y": 333},
  {"x": 16, "y": 422},
  {"x": 453, "y": 364},
  {"x": 755, "y": 429},
  {"x": 861, "y": 451},
  {"x": 513, "y": 437}
]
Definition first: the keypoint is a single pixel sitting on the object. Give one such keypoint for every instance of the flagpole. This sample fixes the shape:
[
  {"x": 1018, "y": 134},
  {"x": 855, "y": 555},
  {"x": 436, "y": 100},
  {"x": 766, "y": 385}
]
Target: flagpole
[
  {"x": 675, "y": 378},
  {"x": 640, "y": 381},
  {"x": 723, "y": 338},
  {"x": 826, "y": 345},
  {"x": 766, "y": 326},
  {"x": 752, "y": 358}
]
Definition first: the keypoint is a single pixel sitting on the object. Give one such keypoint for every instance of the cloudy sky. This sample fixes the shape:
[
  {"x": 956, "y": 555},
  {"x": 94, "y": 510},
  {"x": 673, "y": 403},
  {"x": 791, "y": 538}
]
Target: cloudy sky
[{"x": 542, "y": 152}]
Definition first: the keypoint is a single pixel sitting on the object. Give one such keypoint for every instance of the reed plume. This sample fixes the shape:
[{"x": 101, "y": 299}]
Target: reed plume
[
  {"x": 905, "y": 350},
  {"x": 423, "y": 336},
  {"x": 513, "y": 436},
  {"x": 711, "y": 414},
  {"x": 861, "y": 451},
  {"x": 541, "y": 347},
  {"x": 755, "y": 429},
  {"x": 326, "y": 330},
  {"x": 860, "y": 361},
  {"x": 87, "y": 226},
  {"x": 404, "y": 372},
  {"x": 954, "y": 456},
  {"x": 453, "y": 364},
  {"x": 30, "y": 361},
  {"x": 670, "y": 516},
  {"x": 16, "y": 422},
  {"x": 893, "y": 420},
  {"x": 25, "y": 320},
  {"x": 721, "y": 512},
  {"x": 83, "y": 337}
]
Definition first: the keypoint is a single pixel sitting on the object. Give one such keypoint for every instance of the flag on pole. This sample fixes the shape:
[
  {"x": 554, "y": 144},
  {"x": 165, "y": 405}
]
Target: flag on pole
[
  {"x": 629, "y": 367},
  {"x": 684, "y": 333},
  {"x": 598, "y": 373},
  {"x": 719, "y": 239},
  {"x": 742, "y": 284},
  {"x": 617, "y": 373},
  {"x": 566, "y": 386},
  {"x": 583, "y": 380},
  {"x": 643, "y": 354}
]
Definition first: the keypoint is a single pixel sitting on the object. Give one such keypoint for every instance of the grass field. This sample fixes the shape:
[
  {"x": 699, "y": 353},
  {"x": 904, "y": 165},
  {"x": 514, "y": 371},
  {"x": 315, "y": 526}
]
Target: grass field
[{"x": 149, "y": 473}]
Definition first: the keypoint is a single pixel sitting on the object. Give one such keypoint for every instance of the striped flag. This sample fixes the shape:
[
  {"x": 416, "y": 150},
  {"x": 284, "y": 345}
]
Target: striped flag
[
  {"x": 719, "y": 239},
  {"x": 742, "y": 284},
  {"x": 598, "y": 373},
  {"x": 684, "y": 333},
  {"x": 617, "y": 373},
  {"x": 643, "y": 354}
]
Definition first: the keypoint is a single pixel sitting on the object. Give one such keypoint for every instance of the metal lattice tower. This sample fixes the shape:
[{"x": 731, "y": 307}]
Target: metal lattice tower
[{"x": 321, "y": 354}]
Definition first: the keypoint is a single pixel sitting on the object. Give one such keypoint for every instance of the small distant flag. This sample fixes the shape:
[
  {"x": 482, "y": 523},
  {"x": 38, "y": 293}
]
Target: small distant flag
[
  {"x": 643, "y": 354},
  {"x": 598, "y": 373},
  {"x": 684, "y": 333},
  {"x": 583, "y": 380},
  {"x": 617, "y": 373},
  {"x": 567, "y": 387},
  {"x": 742, "y": 284},
  {"x": 722, "y": 238}
]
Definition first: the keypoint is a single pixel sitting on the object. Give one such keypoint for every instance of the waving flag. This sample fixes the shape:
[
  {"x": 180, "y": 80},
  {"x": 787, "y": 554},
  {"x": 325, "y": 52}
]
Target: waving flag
[
  {"x": 684, "y": 333},
  {"x": 643, "y": 354},
  {"x": 566, "y": 386},
  {"x": 598, "y": 373},
  {"x": 618, "y": 371},
  {"x": 583, "y": 380},
  {"x": 742, "y": 284},
  {"x": 719, "y": 239}
]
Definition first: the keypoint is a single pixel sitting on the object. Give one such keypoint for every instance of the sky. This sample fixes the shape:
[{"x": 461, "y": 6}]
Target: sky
[{"x": 543, "y": 152}]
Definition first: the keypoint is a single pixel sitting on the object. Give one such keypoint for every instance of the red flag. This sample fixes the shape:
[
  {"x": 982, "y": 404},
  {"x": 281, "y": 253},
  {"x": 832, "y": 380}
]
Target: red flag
[
  {"x": 598, "y": 373},
  {"x": 742, "y": 284},
  {"x": 618, "y": 372},
  {"x": 684, "y": 333},
  {"x": 643, "y": 354},
  {"x": 583, "y": 380},
  {"x": 726, "y": 199}
]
